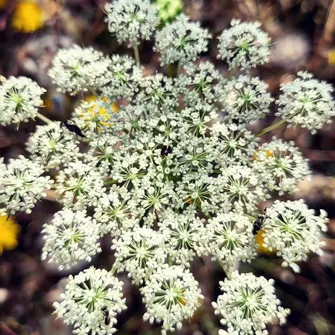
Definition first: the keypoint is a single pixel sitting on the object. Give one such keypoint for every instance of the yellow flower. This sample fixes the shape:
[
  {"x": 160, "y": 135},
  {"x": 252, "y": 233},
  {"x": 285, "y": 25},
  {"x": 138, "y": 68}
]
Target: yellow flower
[
  {"x": 331, "y": 56},
  {"x": 98, "y": 114},
  {"x": 27, "y": 16},
  {"x": 9, "y": 230},
  {"x": 259, "y": 239},
  {"x": 268, "y": 153}
]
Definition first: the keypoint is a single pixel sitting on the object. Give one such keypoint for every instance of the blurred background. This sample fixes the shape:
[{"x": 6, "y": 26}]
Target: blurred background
[{"x": 31, "y": 32}]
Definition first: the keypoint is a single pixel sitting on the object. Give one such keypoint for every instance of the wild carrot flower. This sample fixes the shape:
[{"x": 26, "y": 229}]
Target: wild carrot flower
[
  {"x": 244, "y": 45},
  {"x": 248, "y": 304},
  {"x": 20, "y": 99},
  {"x": 306, "y": 102},
  {"x": 89, "y": 299}
]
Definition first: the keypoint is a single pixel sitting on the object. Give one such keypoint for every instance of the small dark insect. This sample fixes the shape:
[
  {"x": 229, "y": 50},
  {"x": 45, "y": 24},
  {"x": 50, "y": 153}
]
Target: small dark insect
[
  {"x": 106, "y": 315},
  {"x": 73, "y": 128},
  {"x": 166, "y": 150},
  {"x": 258, "y": 223}
]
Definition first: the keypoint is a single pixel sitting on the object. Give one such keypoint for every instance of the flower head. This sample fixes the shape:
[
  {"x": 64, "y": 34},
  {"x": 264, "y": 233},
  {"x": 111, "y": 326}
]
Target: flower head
[
  {"x": 246, "y": 99},
  {"x": 139, "y": 252},
  {"x": 200, "y": 84},
  {"x": 248, "y": 304},
  {"x": 70, "y": 237},
  {"x": 9, "y": 230},
  {"x": 20, "y": 99},
  {"x": 171, "y": 296},
  {"x": 181, "y": 41},
  {"x": 183, "y": 234},
  {"x": 281, "y": 164},
  {"x": 122, "y": 78},
  {"x": 22, "y": 184},
  {"x": 293, "y": 231},
  {"x": 244, "y": 45},
  {"x": 52, "y": 147},
  {"x": 132, "y": 20},
  {"x": 27, "y": 17},
  {"x": 306, "y": 102},
  {"x": 79, "y": 185},
  {"x": 89, "y": 298},
  {"x": 229, "y": 239},
  {"x": 78, "y": 69}
]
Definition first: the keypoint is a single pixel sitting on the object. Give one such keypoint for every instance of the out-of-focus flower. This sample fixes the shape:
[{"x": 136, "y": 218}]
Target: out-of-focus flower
[
  {"x": 27, "y": 16},
  {"x": 169, "y": 9},
  {"x": 9, "y": 231},
  {"x": 331, "y": 57}
]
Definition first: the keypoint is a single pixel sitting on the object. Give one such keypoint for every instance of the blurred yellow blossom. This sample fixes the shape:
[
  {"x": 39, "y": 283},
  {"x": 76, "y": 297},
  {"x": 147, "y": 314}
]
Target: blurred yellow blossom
[
  {"x": 331, "y": 56},
  {"x": 9, "y": 231},
  {"x": 259, "y": 239},
  {"x": 27, "y": 16}
]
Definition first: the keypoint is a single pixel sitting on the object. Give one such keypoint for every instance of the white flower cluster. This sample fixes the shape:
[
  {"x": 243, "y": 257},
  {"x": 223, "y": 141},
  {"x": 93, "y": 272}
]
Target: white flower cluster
[
  {"x": 171, "y": 172},
  {"x": 122, "y": 78},
  {"x": 91, "y": 301},
  {"x": 171, "y": 295},
  {"x": 307, "y": 102},
  {"x": 181, "y": 41},
  {"x": 51, "y": 146},
  {"x": 78, "y": 69},
  {"x": 292, "y": 231},
  {"x": 70, "y": 237},
  {"x": 132, "y": 20},
  {"x": 281, "y": 164},
  {"x": 246, "y": 99},
  {"x": 22, "y": 184},
  {"x": 20, "y": 99},
  {"x": 247, "y": 304},
  {"x": 244, "y": 45}
]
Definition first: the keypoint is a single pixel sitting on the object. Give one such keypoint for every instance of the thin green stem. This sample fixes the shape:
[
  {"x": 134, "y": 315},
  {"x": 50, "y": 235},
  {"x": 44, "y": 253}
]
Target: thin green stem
[
  {"x": 178, "y": 69},
  {"x": 137, "y": 55},
  {"x": 93, "y": 91},
  {"x": 232, "y": 73},
  {"x": 44, "y": 118},
  {"x": 225, "y": 270},
  {"x": 271, "y": 127}
]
